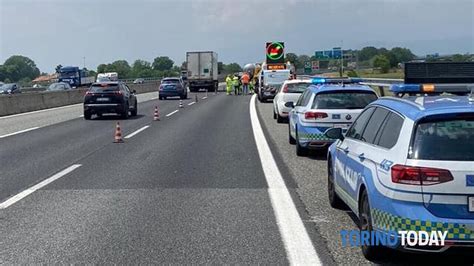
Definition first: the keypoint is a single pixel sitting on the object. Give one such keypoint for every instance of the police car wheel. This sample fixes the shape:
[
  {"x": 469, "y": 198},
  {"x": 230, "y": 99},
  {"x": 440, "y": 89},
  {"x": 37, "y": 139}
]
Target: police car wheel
[
  {"x": 280, "y": 119},
  {"x": 300, "y": 150},
  {"x": 372, "y": 253},
  {"x": 291, "y": 140},
  {"x": 334, "y": 199}
]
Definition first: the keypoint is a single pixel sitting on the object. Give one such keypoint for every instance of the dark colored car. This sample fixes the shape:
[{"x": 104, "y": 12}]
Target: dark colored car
[
  {"x": 10, "y": 88},
  {"x": 110, "y": 97},
  {"x": 171, "y": 87}
]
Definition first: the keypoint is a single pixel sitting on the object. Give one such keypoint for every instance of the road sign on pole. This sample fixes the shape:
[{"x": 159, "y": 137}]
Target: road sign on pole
[{"x": 315, "y": 65}]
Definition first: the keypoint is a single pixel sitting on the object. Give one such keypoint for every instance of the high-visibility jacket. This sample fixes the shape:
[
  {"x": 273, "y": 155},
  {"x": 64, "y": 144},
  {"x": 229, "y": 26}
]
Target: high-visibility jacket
[
  {"x": 228, "y": 81},
  {"x": 236, "y": 81}
]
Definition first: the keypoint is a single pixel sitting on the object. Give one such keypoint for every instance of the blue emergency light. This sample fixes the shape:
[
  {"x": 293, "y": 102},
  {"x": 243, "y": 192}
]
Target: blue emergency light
[
  {"x": 322, "y": 80},
  {"x": 413, "y": 89}
]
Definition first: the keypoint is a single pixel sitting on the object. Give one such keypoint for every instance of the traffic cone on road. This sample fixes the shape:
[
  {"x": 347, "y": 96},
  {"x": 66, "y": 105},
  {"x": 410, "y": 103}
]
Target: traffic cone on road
[
  {"x": 118, "y": 134},
  {"x": 156, "y": 116},
  {"x": 196, "y": 98},
  {"x": 181, "y": 104},
  {"x": 206, "y": 92}
]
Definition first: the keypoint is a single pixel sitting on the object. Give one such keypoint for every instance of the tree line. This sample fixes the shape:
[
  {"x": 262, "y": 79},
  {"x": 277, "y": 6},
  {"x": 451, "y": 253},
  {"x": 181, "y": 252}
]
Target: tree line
[{"x": 18, "y": 68}]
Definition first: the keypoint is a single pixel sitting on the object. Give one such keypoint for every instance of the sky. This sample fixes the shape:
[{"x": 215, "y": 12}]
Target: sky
[{"x": 53, "y": 32}]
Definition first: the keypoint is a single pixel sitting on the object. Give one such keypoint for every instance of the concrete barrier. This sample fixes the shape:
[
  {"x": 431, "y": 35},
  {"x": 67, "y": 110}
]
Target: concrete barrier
[{"x": 28, "y": 102}]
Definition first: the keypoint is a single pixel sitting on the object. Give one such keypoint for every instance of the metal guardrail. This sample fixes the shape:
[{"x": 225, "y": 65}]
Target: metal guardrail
[{"x": 381, "y": 83}]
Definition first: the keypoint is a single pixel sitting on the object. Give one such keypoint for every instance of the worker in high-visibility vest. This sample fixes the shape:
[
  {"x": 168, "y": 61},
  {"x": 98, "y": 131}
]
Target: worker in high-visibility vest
[
  {"x": 229, "y": 84},
  {"x": 236, "y": 84}
]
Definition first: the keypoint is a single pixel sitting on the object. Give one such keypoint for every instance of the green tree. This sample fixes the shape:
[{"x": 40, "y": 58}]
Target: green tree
[
  {"x": 141, "y": 68},
  {"x": 220, "y": 67},
  {"x": 382, "y": 62},
  {"x": 302, "y": 59},
  {"x": 19, "y": 67},
  {"x": 232, "y": 68},
  {"x": 162, "y": 63},
  {"x": 292, "y": 57},
  {"x": 400, "y": 55},
  {"x": 367, "y": 53},
  {"x": 122, "y": 68},
  {"x": 102, "y": 68}
]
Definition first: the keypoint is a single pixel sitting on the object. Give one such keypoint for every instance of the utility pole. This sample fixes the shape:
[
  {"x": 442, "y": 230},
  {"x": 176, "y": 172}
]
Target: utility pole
[{"x": 84, "y": 60}]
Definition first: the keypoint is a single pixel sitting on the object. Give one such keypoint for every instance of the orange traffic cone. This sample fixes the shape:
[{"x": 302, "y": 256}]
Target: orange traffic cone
[
  {"x": 118, "y": 134},
  {"x": 156, "y": 116}
]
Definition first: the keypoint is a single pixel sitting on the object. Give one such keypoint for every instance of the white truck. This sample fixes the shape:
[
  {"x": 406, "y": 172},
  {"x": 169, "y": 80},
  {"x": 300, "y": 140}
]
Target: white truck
[
  {"x": 109, "y": 76},
  {"x": 202, "y": 70}
]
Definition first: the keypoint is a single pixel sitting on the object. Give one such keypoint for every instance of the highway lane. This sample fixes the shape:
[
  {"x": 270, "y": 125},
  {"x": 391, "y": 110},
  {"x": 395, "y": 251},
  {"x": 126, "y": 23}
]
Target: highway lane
[
  {"x": 30, "y": 157},
  {"x": 14, "y": 123},
  {"x": 188, "y": 189}
]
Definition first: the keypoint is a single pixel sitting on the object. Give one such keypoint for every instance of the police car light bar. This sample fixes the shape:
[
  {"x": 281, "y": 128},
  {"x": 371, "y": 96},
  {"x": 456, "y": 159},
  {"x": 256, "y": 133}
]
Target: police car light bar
[
  {"x": 455, "y": 88},
  {"x": 322, "y": 80}
]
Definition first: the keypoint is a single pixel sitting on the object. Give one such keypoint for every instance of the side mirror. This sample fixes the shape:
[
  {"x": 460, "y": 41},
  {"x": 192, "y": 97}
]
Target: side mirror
[
  {"x": 290, "y": 104},
  {"x": 334, "y": 133}
]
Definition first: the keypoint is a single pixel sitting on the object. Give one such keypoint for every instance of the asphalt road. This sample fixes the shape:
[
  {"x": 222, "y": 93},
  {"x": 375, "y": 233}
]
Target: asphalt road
[{"x": 193, "y": 188}]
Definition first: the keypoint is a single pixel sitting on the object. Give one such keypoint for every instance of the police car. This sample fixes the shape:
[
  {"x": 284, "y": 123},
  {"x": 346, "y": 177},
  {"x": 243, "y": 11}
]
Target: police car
[
  {"x": 408, "y": 164},
  {"x": 326, "y": 104}
]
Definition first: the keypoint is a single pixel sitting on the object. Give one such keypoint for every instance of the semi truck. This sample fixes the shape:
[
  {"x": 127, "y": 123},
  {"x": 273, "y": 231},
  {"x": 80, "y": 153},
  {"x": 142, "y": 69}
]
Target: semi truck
[
  {"x": 75, "y": 76},
  {"x": 202, "y": 70}
]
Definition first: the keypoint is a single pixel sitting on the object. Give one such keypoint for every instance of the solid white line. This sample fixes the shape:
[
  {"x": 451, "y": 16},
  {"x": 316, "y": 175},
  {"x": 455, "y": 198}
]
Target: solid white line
[
  {"x": 136, "y": 132},
  {"x": 81, "y": 116},
  {"x": 172, "y": 113},
  {"x": 205, "y": 97},
  {"x": 153, "y": 98},
  {"x": 40, "y": 111},
  {"x": 191, "y": 103},
  {"x": 18, "y": 132},
  {"x": 298, "y": 245},
  {"x": 32, "y": 189}
]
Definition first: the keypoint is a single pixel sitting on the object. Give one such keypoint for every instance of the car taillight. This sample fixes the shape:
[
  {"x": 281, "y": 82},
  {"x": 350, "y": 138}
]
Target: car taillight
[
  {"x": 412, "y": 175},
  {"x": 315, "y": 115},
  {"x": 118, "y": 92},
  {"x": 161, "y": 88},
  {"x": 285, "y": 88},
  {"x": 88, "y": 93}
]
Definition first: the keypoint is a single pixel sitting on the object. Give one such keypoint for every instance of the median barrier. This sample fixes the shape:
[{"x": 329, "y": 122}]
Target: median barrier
[{"x": 28, "y": 102}]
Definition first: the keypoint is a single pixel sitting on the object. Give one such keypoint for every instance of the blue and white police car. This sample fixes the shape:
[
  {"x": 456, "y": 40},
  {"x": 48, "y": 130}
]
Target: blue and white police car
[
  {"x": 326, "y": 104},
  {"x": 408, "y": 164}
]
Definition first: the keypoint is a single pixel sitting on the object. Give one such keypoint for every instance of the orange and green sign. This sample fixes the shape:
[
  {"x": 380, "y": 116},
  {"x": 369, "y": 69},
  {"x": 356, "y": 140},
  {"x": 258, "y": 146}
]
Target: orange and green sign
[{"x": 275, "y": 52}]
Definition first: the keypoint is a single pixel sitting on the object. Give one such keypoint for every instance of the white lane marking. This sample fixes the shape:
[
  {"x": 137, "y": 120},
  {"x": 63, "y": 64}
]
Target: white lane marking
[
  {"x": 205, "y": 97},
  {"x": 191, "y": 103},
  {"x": 172, "y": 113},
  {"x": 19, "y": 132},
  {"x": 153, "y": 98},
  {"x": 81, "y": 116},
  {"x": 32, "y": 189},
  {"x": 298, "y": 245},
  {"x": 41, "y": 111},
  {"x": 136, "y": 132}
]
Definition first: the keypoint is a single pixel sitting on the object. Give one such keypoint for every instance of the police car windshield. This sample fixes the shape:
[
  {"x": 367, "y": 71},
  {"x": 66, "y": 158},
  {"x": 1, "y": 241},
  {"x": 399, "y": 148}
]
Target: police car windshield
[
  {"x": 444, "y": 138},
  {"x": 343, "y": 99}
]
